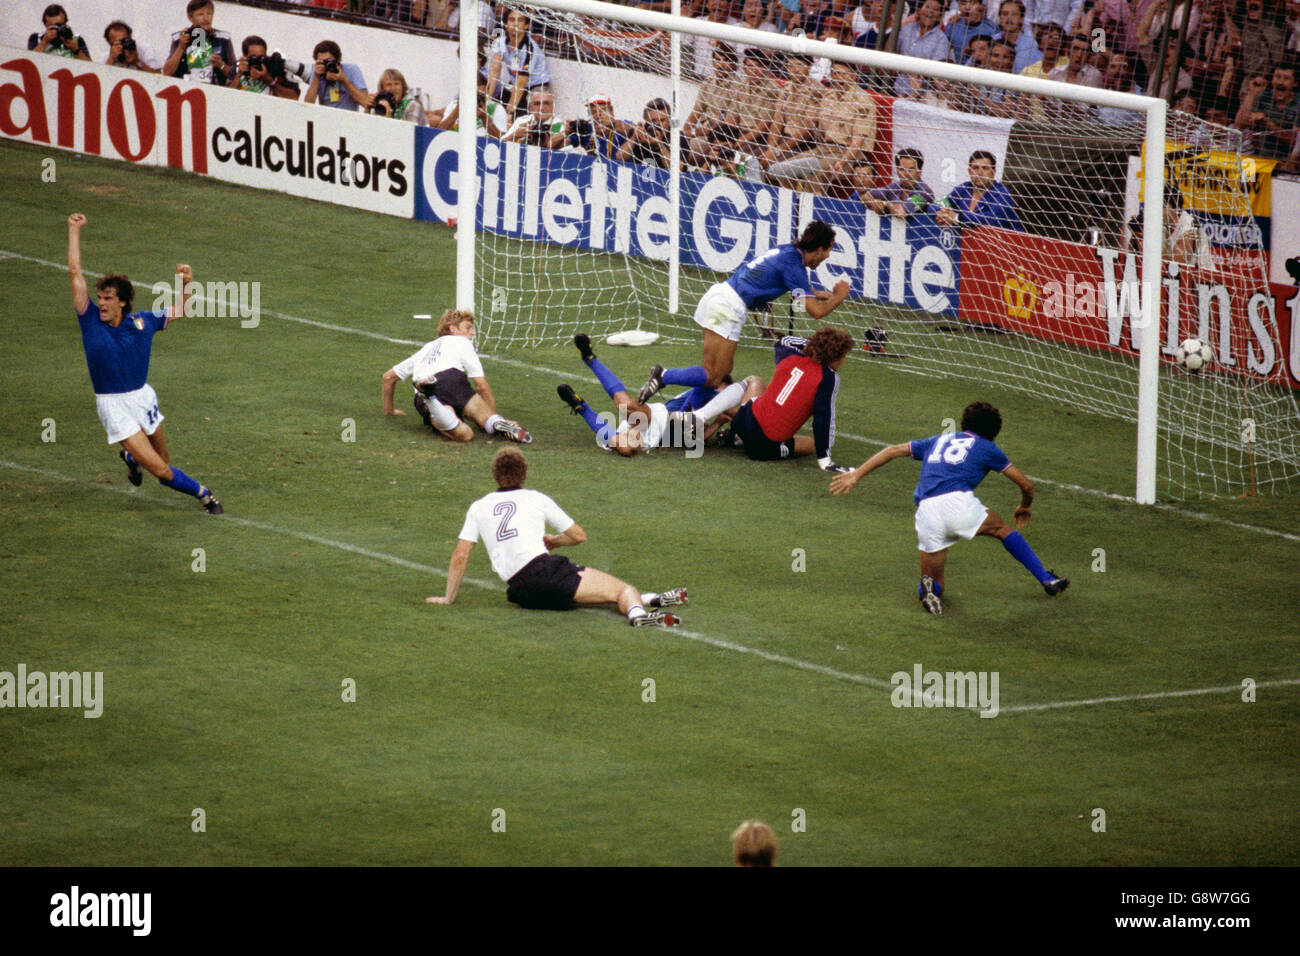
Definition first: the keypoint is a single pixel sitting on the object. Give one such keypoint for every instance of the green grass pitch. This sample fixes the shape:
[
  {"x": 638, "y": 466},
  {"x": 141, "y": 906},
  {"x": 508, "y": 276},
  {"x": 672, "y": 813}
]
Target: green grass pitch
[{"x": 223, "y": 689}]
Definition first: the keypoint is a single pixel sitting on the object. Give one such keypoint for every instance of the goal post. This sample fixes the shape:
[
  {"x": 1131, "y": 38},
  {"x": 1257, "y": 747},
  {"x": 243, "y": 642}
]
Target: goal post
[{"x": 978, "y": 298}]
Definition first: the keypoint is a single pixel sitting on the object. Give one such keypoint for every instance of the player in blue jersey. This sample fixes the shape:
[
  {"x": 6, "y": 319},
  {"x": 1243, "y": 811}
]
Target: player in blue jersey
[
  {"x": 722, "y": 310},
  {"x": 641, "y": 426},
  {"x": 117, "y": 344},
  {"x": 952, "y": 466}
]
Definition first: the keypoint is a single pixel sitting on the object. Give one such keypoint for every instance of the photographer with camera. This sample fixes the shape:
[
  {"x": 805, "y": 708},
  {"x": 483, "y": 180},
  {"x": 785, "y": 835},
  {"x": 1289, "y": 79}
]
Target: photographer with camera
[
  {"x": 539, "y": 126},
  {"x": 395, "y": 101},
  {"x": 126, "y": 52},
  {"x": 648, "y": 143},
  {"x": 602, "y": 134},
  {"x": 259, "y": 72},
  {"x": 334, "y": 83},
  {"x": 199, "y": 53},
  {"x": 57, "y": 37}
]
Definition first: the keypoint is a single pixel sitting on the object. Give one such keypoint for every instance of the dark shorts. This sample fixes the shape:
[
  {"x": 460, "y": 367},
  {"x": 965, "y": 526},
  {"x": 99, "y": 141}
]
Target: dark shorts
[
  {"x": 451, "y": 387},
  {"x": 546, "y": 583},
  {"x": 757, "y": 445}
]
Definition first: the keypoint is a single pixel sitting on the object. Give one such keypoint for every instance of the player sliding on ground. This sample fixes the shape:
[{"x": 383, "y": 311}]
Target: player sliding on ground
[
  {"x": 512, "y": 523},
  {"x": 802, "y": 387},
  {"x": 441, "y": 372},
  {"x": 642, "y": 427},
  {"x": 952, "y": 466},
  {"x": 722, "y": 310},
  {"x": 117, "y": 343}
]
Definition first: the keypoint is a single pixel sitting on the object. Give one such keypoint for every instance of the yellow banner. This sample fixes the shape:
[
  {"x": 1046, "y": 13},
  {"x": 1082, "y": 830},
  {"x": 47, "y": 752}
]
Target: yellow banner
[{"x": 1217, "y": 181}]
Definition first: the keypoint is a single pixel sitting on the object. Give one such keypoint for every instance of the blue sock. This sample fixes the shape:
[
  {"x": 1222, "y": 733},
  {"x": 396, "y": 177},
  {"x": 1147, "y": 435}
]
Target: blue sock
[
  {"x": 1020, "y": 550},
  {"x": 695, "y": 375},
  {"x": 938, "y": 590},
  {"x": 699, "y": 396},
  {"x": 602, "y": 429},
  {"x": 183, "y": 483},
  {"x": 608, "y": 380}
]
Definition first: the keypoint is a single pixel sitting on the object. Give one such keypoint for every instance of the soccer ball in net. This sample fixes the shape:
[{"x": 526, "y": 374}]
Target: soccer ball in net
[{"x": 1193, "y": 355}]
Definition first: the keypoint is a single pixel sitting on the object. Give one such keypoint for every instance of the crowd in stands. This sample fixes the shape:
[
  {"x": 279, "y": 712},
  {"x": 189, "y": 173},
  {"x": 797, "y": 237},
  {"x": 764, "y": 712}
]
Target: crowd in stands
[{"x": 783, "y": 118}]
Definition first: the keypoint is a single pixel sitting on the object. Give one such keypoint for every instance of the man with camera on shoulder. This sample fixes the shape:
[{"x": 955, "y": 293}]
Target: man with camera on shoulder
[
  {"x": 199, "y": 53},
  {"x": 259, "y": 72},
  {"x": 126, "y": 52},
  {"x": 57, "y": 37}
]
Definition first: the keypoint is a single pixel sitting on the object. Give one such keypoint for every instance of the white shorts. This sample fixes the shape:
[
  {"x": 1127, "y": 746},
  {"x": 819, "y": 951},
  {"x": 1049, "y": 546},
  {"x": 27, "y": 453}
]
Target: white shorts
[
  {"x": 944, "y": 520},
  {"x": 722, "y": 310},
  {"x": 125, "y": 413}
]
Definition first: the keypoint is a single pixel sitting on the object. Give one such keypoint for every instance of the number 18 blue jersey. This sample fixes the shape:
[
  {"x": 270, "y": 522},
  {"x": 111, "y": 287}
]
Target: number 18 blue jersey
[{"x": 954, "y": 463}]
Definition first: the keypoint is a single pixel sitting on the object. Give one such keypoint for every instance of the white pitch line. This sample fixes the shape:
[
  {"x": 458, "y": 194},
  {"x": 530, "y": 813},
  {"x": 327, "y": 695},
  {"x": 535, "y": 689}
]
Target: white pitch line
[
  {"x": 348, "y": 330},
  {"x": 861, "y": 679},
  {"x": 1160, "y": 695}
]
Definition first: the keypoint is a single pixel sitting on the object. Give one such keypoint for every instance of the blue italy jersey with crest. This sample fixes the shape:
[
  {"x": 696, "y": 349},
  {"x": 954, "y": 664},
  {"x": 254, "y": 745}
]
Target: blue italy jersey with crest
[
  {"x": 118, "y": 358},
  {"x": 955, "y": 462},
  {"x": 770, "y": 276}
]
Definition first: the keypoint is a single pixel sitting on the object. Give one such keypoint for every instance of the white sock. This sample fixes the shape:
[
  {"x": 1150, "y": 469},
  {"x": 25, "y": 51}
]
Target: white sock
[
  {"x": 725, "y": 399},
  {"x": 648, "y": 597},
  {"x": 635, "y": 611},
  {"x": 491, "y": 423}
]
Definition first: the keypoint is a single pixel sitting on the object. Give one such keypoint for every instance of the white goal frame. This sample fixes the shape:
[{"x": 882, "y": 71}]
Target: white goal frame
[{"x": 1154, "y": 110}]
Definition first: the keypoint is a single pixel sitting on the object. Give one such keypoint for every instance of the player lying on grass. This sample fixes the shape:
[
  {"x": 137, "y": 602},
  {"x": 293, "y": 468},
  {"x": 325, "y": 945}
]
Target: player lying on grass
[
  {"x": 441, "y": 372},
  {"x": 512, "y": 523},
  {"x": 117, "y": 343},
  {"x": 802, "y": 387},
  {"x": 952, "y": 466},
  {"x": 723, "y": 308},
  {"x": 642, "y": 427}
]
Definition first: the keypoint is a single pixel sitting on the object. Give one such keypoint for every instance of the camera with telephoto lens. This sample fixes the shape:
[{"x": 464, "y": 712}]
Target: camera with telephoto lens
[
  {"x": 580, "y": 126},
  {"x": 331, "y": 66},
  {"x": 385, "y": 104},
  {"x": 128, "y": 45},
  {"x": 256, "y": 62},
  {"x": 64, "y": 34}
]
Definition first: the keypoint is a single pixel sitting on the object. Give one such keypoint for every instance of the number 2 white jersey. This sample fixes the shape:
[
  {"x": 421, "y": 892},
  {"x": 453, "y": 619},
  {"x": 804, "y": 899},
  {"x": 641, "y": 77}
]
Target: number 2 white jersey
[{"x": 511, "y": 525}]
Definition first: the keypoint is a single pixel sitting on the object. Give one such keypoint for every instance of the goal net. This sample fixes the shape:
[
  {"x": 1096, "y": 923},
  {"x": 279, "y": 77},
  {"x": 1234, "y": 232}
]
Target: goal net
[{"x": 989, "y": 227}]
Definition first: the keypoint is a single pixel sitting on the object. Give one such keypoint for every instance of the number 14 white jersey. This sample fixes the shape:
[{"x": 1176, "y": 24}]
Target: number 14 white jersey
[{"x": 511, "y": 525}]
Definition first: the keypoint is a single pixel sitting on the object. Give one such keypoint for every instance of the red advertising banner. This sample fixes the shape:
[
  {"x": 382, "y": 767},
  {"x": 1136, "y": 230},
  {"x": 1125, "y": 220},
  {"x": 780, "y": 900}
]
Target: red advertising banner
[{"x": 1091, "y": 297}]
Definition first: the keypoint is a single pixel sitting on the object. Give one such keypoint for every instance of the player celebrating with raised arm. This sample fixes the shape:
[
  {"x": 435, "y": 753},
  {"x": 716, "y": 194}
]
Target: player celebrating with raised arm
[
  {"x": 117, "y": 343},
  {"x": 641, "y": 427},
  {"x": 441, "y": 372},
  {"x": 946, "y": 507},
  {"x": 802, "y": 387},
  {"x": 512, "y": 522},
  {"x": 722, "y": 309}
]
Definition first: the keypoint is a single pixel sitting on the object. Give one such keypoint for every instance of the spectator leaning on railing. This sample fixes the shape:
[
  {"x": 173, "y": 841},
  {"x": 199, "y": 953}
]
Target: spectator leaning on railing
[
  {"x": 199, "y": 53},
  {"x": 57, "y": 36},
  {"x": 334, "y": 83},
  {"x": 518, "y": 65},
  {"x": 125, "y": 51}
]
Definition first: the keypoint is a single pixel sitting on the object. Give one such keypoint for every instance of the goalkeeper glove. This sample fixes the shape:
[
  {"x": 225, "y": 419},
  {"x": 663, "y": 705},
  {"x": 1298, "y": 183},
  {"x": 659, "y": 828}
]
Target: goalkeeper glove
[{"x": 825, "y": 464}]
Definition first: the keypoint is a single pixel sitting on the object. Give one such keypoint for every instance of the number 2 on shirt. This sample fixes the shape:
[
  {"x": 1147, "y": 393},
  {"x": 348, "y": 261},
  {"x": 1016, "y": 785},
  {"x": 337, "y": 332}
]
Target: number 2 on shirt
[
  {"x": 507, "y": 510},
  {"x": 956, "y": 450}
]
